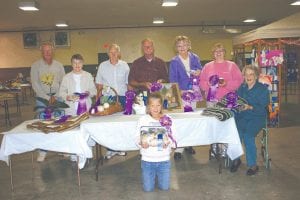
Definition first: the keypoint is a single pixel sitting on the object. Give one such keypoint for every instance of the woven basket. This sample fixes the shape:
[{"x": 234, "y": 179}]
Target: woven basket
[{"x": 113, "y": 107}]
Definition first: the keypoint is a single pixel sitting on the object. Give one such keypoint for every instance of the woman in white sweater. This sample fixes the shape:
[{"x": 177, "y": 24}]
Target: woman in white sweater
[{"x": 77, "y": 81}]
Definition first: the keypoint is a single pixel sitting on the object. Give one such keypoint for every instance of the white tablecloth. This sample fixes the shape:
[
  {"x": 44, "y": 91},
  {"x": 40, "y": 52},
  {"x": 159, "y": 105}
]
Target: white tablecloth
[
  {"x": 21, "y": 140},
  {"x": 118, "y": 131}
]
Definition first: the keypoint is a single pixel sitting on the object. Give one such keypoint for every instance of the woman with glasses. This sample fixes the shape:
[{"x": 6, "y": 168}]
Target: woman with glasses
[{"x": 184, "y": 65}]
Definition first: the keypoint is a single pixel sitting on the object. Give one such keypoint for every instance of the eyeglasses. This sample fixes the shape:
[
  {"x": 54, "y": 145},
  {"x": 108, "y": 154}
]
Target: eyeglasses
[{"x": 219, "y": 51}]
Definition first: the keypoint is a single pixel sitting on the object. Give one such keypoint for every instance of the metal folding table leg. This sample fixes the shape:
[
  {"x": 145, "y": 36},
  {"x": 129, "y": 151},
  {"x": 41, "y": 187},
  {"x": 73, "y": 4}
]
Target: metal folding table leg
[
  {"x": 78, "y": 171},
  {"x": 11, "y": 175},
  {"x": 98, "y": 159}
]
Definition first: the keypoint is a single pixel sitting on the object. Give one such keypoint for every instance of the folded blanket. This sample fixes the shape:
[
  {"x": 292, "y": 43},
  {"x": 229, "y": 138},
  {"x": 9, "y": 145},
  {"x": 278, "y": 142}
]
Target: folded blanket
[
  {"x": 240, "y": 103},
  {"x": 221, "y": 114}
]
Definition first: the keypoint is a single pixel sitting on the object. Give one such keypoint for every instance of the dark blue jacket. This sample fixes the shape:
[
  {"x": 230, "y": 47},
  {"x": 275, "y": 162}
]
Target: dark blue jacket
[{"x": 258, "y": 97}]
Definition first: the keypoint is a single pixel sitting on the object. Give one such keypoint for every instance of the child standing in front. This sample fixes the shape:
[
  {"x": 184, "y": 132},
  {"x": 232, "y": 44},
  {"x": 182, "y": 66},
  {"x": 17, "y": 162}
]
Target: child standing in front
[{"x": 155, "y": 139}]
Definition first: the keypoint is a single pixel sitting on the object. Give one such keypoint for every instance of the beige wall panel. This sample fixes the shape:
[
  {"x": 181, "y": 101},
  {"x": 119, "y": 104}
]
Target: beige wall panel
[{"x": 91, "y": 42}]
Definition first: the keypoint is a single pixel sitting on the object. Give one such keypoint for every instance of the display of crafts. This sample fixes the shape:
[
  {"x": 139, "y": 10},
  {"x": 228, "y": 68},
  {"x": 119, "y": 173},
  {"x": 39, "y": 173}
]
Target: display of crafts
[
  {"x": 107, "y": 104},
  {"x": 63, "y": 123},
  {"x": 10, "y": 85},
  {"x": 170, "y": 94}
]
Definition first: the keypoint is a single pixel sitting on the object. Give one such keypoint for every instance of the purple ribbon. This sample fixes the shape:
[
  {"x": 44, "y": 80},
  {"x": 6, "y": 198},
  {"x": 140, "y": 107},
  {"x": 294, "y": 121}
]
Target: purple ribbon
[
  {"x": 166, "y": 122},
  {"x": 188, "y": 97},
  {"x": 212, "y": 91},
  {"x": 82, "y": 107},
  {"x": 155, "y": 87},
  {"x": 47, "y": 114},
  {"x": 195, "y": 80},
  {"x": 62, "y": 119},
  {"x": 231, "y": 100},
  {"x": 130, "y": 95}
]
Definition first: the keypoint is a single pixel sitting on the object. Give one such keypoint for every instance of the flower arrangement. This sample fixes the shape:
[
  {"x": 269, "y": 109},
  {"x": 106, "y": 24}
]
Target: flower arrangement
[
  {"x": 50, "y": 106},
  {"x": 48, "y": 79}
]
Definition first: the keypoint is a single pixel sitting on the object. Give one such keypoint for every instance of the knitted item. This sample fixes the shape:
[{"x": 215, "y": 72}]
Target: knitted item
[
  {"x": 240, "y": 104},
  {"x": 219, "y": 113}
]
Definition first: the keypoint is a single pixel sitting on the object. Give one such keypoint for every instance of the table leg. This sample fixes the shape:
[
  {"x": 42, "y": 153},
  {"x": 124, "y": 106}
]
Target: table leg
[
  {"x": 6, "y": 110},
  {"x": 32, "y": 174},
  {"x": 18, "y": 103},
  {"x": 98, "y": 159},
  {"x": 78, "y": 171},
  {"x": 11, "y": 175}
]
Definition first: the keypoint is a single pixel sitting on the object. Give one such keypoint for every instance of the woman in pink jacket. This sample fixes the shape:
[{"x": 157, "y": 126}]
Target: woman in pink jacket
[{"x": 228, "y": 73}]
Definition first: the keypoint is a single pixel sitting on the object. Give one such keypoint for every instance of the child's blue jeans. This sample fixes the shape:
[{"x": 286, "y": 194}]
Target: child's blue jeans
[{"x": 152, "y": 169}]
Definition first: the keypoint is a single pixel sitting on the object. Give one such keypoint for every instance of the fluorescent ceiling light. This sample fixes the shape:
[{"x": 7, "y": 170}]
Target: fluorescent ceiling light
[
  {"x": 158, "y": 20},
  {"x": 233, "y": 30},
  {"x": 296, "y": 3},
  {"x": 249, "y": 20},
  {"x": 28, "y": 6},
  {"x": 61, "y": 24},
  {"x": 169, "y": 3}
]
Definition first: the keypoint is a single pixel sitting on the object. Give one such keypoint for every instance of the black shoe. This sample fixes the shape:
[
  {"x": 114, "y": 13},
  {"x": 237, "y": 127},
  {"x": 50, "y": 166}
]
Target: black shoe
[
  {"x": 252, "y": 171},
  {"x": 177, "y": 156},
  {"x": 235, "y": 165},
  {"x": 190, "y": 150}
]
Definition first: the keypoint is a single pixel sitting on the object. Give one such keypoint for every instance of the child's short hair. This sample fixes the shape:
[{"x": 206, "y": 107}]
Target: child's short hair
[
  {"x": 76, "y": 57},
  {"x": 155, "y": 95}
]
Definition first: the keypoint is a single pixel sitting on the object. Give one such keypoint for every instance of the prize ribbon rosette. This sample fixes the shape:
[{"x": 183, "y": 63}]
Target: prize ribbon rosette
[
  {"x": 231, "y": 100},
  {"x": 212, "y": 91},
  {"x": 82, "y": 107},
  {"x": 166, "y": 122},
  {"x": 188, "y": 97},
  {"x": 130, "y": 95},
  {"x": 195, "y": 87},
  {"x": 155, "y": 87}
]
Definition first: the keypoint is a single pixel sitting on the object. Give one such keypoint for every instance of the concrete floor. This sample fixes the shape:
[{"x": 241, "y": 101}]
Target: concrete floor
[{"x": 193, "y": 177}]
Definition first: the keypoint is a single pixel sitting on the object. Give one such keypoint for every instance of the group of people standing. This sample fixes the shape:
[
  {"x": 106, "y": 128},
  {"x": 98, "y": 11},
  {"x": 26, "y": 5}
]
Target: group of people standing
[{"x": 149, "y": 69}]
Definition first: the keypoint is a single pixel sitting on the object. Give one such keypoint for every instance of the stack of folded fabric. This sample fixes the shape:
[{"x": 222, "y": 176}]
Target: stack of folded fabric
[{"x": 220, "y": 113}]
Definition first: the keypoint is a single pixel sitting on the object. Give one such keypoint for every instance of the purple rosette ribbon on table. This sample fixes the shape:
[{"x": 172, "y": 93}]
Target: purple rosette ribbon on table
[
  {"x": 195, "y": 80},
  {"x": 212, "y": 91},
  {"x": 130, "y": 95},
  {"x": 166, "y": 122},
  {"x": 155, "y": 87},
  {"x": 188, "y": 97},
  {"x": 231, "y": 100},
  {"x": 82, "y": 107}
]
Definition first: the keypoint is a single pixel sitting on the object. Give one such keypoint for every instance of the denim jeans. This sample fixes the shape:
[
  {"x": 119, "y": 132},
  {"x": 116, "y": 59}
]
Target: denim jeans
[{"x": 151, "y": 170}]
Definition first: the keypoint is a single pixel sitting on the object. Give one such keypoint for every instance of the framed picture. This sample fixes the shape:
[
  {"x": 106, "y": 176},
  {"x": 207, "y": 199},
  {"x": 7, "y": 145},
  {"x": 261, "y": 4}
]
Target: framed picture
[
  {"x": 30, "y": 40},
  {"x": 62, "y": 39},
  {"x": 171, "y": 97}
]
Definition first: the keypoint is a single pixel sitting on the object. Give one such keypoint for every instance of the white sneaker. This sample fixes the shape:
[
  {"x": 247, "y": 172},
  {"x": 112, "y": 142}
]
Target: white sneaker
[
  {"x": 110, "y": 154},
  {"x": 121, "y": 153},
  {"x": 41, "y": 157}
]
